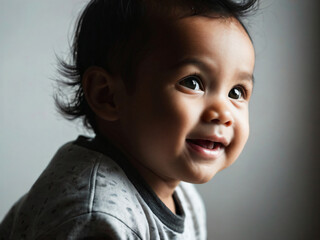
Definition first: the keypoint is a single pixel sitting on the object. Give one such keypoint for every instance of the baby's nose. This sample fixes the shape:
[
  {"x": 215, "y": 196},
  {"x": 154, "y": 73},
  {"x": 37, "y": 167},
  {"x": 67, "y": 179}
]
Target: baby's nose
[{"x": 218, "y": 112}]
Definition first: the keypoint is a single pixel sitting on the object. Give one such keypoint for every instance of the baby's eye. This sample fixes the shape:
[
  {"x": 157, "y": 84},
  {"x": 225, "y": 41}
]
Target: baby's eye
[
  {"x": 192, "y": 82},
  {"x": 236, "y": 93}
]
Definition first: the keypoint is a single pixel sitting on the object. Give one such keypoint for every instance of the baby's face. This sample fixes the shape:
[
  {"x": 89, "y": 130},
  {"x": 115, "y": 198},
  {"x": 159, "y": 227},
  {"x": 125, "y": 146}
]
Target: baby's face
[{"x": 188, "y": 116}]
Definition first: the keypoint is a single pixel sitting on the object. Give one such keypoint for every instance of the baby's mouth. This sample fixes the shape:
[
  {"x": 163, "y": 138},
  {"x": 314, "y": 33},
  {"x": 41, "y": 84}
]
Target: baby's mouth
[{"x": 205, "y": 143}]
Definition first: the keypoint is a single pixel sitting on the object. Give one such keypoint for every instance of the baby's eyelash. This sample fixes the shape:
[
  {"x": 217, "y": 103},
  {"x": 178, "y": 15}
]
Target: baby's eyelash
[
  {"x": 198, "y": 75},
  {"x": 244, "y": 90},
  {"x": 192, "y": 82},
  {"x": 195, "y": 74}
]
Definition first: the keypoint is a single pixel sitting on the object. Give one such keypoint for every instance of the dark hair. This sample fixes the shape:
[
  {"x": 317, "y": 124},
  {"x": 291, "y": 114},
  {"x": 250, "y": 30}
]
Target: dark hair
[{"x": 112, "y": 33}]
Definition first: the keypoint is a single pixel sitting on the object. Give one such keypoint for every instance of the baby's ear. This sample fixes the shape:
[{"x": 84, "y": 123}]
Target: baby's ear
[{"x": 99, "y": 89}]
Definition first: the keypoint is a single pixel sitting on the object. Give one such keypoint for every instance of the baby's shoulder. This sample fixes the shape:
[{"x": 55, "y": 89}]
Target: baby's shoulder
[{"x": 79, "y": 185}]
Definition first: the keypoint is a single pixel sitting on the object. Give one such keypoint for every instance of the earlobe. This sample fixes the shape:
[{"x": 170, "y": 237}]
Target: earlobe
[{"x": 99, "y": 89}]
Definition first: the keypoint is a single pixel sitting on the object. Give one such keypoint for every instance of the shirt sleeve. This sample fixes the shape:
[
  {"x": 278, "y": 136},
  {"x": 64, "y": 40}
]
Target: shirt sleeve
[{"x": 91, "y": 226}]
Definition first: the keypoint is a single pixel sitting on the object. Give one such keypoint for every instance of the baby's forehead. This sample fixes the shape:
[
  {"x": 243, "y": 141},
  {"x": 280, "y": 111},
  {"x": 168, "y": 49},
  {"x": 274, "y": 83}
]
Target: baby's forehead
[
  {"x": 174, "y": 28},
  {"x": 193, "y": 35}
]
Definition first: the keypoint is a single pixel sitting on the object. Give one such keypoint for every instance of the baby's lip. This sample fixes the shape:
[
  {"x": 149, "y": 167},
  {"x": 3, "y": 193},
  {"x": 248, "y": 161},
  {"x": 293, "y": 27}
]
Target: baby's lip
[{"x": 214, "y": 138}]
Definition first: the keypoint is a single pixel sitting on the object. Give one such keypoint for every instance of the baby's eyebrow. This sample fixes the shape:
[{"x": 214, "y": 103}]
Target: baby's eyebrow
[
  {"x": 188, "y": 61},
  {"x": 245, "y": 76}
]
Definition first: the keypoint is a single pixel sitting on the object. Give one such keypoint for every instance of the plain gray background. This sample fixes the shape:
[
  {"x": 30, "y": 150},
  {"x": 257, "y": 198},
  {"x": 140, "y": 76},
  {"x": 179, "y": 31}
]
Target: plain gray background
[{"x": 271, "y": 192}]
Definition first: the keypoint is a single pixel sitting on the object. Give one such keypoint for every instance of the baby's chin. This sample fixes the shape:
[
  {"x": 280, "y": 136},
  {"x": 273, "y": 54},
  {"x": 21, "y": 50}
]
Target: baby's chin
[
  {"x": 205, "y": 173},
  {"x": 201, "y": 175}
]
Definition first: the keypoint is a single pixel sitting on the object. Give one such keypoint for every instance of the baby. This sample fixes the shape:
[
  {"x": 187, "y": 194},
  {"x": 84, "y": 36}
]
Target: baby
[{"x": 165, "y": 86}]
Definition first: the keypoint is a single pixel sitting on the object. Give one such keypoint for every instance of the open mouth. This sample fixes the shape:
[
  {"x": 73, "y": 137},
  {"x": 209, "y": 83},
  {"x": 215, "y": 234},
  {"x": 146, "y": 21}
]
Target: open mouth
[{"x": 207, "y": 144}]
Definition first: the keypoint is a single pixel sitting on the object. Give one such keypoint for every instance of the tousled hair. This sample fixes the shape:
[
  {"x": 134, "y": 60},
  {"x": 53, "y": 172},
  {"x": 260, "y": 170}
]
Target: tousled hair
[{"x": 112, "y": 34}]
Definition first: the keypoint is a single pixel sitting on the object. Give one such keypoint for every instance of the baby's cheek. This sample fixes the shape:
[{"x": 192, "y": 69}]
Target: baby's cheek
[
  {"x": 245, "y": 129},
  {"x": 240, "y": 138}
]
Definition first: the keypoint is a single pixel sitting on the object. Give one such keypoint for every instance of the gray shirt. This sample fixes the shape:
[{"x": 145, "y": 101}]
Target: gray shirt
[{"x": 90, "y": 191}]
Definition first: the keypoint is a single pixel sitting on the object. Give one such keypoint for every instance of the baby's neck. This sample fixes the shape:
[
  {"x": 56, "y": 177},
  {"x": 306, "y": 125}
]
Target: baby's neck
[
  {"x": 163, "y": 188},
  {"x": 170, "y": 204}
]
